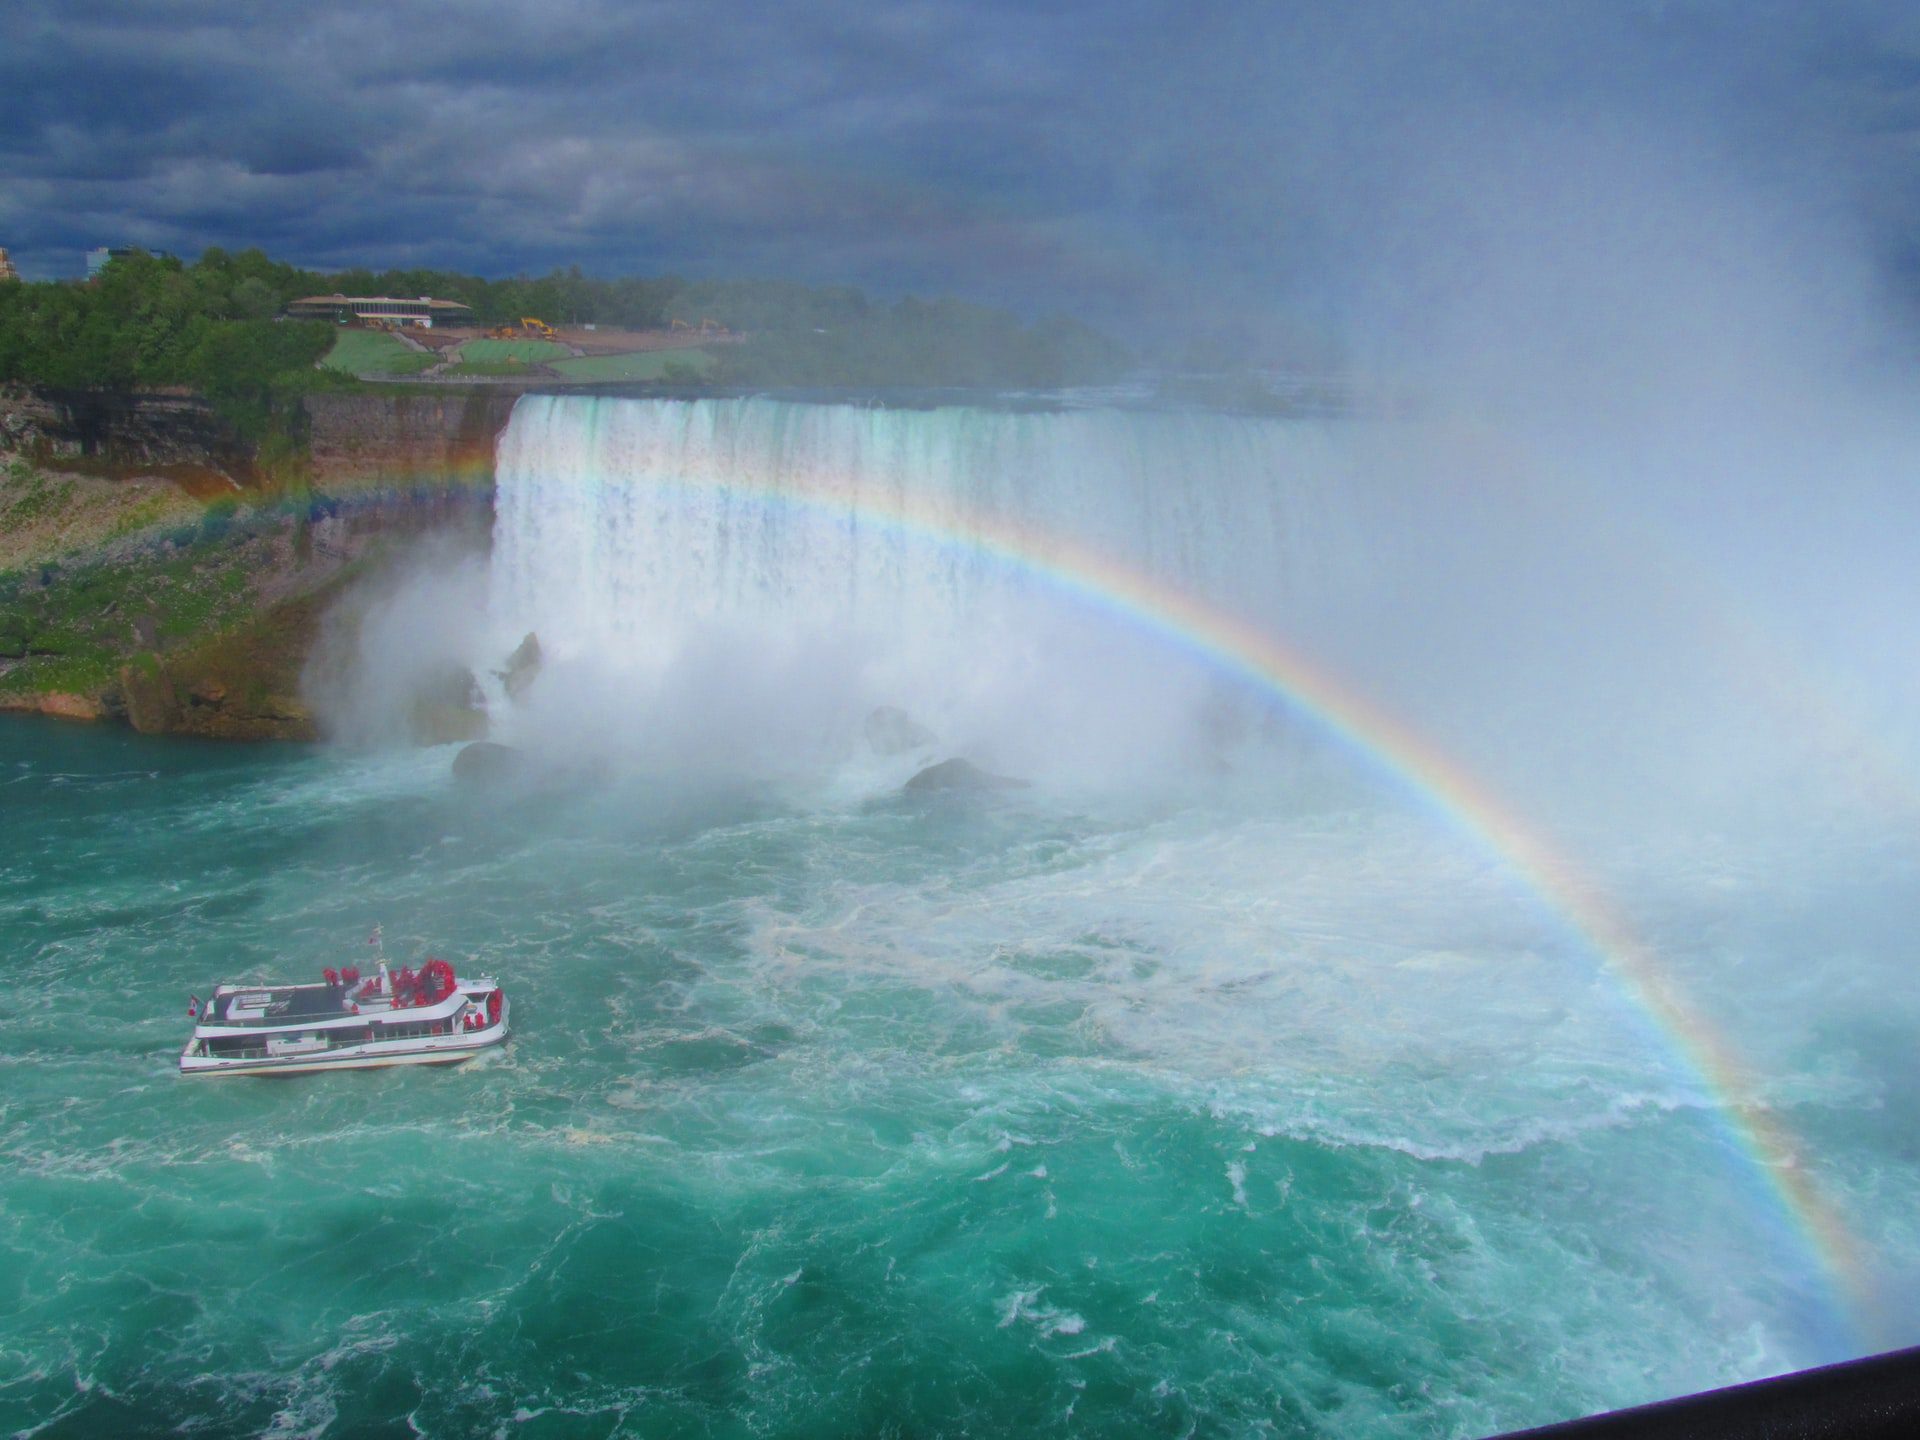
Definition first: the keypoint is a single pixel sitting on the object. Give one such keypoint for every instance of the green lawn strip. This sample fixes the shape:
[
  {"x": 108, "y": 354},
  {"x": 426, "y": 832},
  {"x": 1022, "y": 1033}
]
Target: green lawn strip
[
  {"x": 531, "y": 352},
  {"x": 374, "y": 352},
  {"x": 636, "y": 365}
]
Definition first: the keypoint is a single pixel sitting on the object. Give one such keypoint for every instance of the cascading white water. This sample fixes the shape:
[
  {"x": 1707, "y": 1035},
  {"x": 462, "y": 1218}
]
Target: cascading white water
[
  {"x": 829, "y": 558},
  {"x": 618, "y": 517},
  {"x": 741, "y": 581}
]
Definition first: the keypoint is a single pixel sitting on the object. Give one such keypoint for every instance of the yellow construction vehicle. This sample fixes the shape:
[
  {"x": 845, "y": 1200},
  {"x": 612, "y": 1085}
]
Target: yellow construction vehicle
[{"x": 531, "y": 327}]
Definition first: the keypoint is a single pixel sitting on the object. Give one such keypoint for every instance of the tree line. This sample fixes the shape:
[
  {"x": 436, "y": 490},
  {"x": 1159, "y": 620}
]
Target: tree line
[{"x": 148, "y": 322}]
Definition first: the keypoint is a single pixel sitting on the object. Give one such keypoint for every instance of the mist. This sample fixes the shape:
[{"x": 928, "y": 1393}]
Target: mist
[
  {"x": 1684, "y": 392},
  {"x": 401, "y": 646},
  {"x": 1620, "y": 522}
]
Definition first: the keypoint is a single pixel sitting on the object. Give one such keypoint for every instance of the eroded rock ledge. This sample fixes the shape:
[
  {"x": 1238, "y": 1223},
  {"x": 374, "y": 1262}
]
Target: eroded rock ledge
[{"x": 159, "y": 579}]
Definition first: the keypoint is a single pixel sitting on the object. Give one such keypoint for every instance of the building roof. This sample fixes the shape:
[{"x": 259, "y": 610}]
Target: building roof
[{"x": 381, "y": 300}]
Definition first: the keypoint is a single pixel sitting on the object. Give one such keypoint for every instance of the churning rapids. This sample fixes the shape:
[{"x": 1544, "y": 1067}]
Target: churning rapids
[{"x": 1246, "y": 1074}]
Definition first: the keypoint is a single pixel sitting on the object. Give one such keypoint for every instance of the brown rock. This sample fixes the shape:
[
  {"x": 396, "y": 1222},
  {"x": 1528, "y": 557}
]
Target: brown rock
[
  {"x": 448, "y": 705},
  {"x": 147, "y": 692},
  {"x": 523, "y": 667},
  {"x": 891, "y": 731},
  {"x": 959, "y": 775},
  {"x": 69, "y": 706},
  {"x": 486, "y": 763}
]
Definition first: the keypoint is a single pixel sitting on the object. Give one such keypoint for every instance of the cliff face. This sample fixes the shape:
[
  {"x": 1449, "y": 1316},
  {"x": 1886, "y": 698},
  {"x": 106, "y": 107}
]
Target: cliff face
[
  {"x": 357, "y": 439},
  {"x": 121, "y": 434},
  {"x": 179, "y": 616}
]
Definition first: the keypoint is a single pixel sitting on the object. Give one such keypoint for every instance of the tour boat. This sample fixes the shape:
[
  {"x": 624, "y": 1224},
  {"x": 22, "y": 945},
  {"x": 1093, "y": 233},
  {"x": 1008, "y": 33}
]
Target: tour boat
[{"x": 346, "y": 1023}]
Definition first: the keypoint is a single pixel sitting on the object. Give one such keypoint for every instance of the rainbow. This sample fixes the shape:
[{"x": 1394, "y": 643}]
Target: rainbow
[{"x": 1268, "y": 664}]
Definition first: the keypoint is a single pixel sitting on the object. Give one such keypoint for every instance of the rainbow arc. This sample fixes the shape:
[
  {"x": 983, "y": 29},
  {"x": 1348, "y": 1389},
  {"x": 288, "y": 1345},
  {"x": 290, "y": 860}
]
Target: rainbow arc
[{"x": 1458, "y": 799}]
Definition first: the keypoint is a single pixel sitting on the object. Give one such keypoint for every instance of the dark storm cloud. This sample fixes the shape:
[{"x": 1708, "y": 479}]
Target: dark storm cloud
[{"x": 1199, "y": 160}]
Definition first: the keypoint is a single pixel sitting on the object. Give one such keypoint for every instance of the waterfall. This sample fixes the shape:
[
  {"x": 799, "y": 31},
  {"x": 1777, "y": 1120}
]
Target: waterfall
[
  {"x": 623, "y": 519},
  {"x": 830, "y": 557}
]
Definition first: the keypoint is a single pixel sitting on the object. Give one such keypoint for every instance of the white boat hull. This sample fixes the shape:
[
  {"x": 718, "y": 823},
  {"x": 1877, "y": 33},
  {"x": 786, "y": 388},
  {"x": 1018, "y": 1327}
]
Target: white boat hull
[
  {"x": 314, "y": 1064},
  {"x": 445, "y": 1049}
]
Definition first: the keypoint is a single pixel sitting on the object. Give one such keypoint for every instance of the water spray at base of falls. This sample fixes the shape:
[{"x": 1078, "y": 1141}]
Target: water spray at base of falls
[{"x": 748, "y": 579}]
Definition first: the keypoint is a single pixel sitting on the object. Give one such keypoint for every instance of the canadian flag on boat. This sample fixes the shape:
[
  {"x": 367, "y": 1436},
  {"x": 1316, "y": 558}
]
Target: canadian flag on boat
[{"x": 193, "y": 1007}]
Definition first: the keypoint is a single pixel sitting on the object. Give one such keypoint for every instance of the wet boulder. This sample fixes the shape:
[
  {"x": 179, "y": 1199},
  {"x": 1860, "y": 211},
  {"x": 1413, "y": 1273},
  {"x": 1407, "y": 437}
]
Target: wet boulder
[
  {"x": 522, "y": 667},
  {"x": 891, "y": 731},
  {"x": 448, "y": 705},
  {"x": 961, "y": 776},
  {"x": 486, "y": 762}
]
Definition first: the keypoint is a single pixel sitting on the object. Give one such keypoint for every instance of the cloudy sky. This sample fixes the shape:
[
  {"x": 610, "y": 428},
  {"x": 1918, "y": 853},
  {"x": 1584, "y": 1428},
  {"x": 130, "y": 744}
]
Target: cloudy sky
[{"x": 1189, "y": 162}]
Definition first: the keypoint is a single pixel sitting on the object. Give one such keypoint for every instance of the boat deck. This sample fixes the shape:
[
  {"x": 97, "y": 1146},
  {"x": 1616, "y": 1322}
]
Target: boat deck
[{"x": 306, "y": 1001}]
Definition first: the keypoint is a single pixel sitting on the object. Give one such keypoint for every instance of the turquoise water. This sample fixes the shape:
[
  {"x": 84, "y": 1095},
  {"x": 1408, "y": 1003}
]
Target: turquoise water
[{"x": 1255, "y": 1113}]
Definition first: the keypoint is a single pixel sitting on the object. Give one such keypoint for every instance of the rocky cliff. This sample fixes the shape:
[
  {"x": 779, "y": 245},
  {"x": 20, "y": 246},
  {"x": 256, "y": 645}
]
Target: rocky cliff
[
  {"x": 358, "y": 439},
  {"x": 120, "y": 434},
  {"x": 150, "y": 573}
]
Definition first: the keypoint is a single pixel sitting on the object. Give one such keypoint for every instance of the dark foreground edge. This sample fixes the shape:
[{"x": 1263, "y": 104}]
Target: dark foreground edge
[{"x": 1856, "y": 1400}]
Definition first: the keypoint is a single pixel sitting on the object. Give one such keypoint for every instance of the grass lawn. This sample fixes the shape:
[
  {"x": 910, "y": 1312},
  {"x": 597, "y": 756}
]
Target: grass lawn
[
  {"x": 484, "y": 352},
  {"x": 639, "y": 365},
  {"x": 374, "y": 352}
]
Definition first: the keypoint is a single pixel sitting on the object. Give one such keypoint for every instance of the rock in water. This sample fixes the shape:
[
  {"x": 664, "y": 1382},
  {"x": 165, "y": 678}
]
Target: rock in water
[
  {"x": 522, "y": 668},
  {"x": 891, "y": 731},
  {"x": 448, "y": 705},
  {"x": 957, "y": 774},
  {"x": 146, "y": 690},
  {"x": 487, "y": 763}
]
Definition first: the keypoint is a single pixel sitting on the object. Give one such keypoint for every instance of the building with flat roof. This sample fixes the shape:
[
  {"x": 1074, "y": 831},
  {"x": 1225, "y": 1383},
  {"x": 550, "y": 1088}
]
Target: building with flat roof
[
  {"x": 98, "y": 258},
  {"x": 344, "y": 309}
]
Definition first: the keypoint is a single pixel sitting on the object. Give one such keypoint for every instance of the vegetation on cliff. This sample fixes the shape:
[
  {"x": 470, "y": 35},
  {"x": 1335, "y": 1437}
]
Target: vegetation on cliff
[
  {"x": 132, "y": 598},
  {"x": 149, "y": 323},
  {"x": 47, "y": 515}
]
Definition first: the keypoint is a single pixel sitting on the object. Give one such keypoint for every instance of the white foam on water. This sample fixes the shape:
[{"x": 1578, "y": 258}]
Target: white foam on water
[
  {"x": 1024, "y": 1306},
  {"x": 1310, "y": 1087},
  {"x": 1237, "y": 1177}
]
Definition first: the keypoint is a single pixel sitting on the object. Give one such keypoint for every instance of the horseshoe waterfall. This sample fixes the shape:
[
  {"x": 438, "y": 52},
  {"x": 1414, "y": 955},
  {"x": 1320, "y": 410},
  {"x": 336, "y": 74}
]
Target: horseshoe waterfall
[{"x": 1373, "y": 977}]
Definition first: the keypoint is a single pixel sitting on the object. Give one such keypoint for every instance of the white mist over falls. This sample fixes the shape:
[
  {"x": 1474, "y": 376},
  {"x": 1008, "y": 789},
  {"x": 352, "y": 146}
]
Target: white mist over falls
[{"x": 733, "y": 585}]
